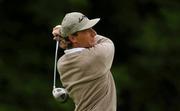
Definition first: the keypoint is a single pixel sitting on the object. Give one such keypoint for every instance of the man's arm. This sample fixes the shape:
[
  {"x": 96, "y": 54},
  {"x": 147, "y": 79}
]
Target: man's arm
[{"x": 104, "y": 50}]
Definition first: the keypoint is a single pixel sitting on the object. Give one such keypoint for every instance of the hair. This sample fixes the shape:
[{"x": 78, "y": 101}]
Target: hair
[
  {"x": 68, "y": 42},
  {"x": 75, "y": 34}
]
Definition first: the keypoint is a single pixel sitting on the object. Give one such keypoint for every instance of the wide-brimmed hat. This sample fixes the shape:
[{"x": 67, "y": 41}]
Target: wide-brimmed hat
[{"x": 74, "y": 22}]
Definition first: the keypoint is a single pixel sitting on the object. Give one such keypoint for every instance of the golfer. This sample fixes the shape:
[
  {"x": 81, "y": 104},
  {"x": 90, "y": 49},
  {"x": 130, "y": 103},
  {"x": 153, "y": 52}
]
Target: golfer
[{"x": 85, "y": 66}]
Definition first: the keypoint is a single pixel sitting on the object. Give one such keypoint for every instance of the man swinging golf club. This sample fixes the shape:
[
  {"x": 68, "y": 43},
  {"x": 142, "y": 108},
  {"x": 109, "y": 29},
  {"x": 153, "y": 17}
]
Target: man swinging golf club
[{"x": 85, "y": 67}]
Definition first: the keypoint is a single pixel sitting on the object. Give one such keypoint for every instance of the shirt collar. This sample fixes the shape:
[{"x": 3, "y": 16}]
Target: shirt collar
[{"x": 69, "y": 51}]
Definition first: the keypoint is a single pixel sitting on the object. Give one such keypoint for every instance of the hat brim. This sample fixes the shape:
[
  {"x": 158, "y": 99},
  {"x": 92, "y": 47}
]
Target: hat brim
[{"x": 90, "y": 24}]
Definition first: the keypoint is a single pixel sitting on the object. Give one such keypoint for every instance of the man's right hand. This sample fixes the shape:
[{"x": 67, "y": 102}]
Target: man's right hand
[
  {"x": 56, "y": 32},
  {"x": 57, "y": 37}
]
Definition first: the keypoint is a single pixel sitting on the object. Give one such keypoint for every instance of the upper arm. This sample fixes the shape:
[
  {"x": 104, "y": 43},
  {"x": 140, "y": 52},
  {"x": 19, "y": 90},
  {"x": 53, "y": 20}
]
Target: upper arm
[{"x": 103, "y": 51}]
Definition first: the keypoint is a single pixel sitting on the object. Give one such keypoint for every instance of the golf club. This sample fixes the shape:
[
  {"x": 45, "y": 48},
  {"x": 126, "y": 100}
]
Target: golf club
[{"x": 59, "y": 94}]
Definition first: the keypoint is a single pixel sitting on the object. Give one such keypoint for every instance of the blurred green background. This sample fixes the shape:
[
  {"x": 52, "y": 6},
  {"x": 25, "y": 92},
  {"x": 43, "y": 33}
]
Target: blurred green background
[{"x": 146, "y": 67}]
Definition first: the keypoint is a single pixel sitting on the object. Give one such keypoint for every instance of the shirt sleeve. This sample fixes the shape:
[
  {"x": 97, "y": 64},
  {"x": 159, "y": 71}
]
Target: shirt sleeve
[{"x": 103, "y": 50}]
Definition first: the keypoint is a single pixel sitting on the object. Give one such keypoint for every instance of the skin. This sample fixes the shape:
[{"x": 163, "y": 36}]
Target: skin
[{"x": 84, "y": 38}]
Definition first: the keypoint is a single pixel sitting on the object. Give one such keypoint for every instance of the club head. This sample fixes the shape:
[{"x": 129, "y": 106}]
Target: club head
[{"x": 60, "y": 94}]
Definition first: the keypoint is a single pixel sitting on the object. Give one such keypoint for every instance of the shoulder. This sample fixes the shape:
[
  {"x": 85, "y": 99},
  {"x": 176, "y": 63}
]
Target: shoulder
[{"x": 103, "y": 40}]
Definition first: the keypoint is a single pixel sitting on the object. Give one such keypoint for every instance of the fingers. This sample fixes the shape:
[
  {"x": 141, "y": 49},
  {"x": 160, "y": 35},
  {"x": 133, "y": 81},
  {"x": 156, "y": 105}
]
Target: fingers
[
  {"x": 58, "y": 26},
  {"x": 56, "y": 33},
  {"x": 63, "y": 44},
  {"x": 57, "y": 38}
]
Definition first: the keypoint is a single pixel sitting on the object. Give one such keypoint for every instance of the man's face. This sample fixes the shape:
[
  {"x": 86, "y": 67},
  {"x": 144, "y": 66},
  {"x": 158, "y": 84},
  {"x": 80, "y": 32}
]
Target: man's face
[{"x": 85, "y": 38}]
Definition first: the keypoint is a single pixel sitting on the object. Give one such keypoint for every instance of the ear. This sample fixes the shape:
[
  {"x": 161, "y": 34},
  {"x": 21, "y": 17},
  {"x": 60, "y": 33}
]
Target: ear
[{"x": 72, "y": 39}]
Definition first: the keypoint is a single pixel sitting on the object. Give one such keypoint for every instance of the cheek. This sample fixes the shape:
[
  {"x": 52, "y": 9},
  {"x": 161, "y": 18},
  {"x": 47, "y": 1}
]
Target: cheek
[{"x": 85, "y": 39}]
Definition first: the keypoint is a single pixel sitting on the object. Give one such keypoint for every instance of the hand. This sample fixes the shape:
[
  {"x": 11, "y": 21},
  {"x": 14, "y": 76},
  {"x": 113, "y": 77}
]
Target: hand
[
  {"x": 56, "y": 33},
  {"x": 57, "y": 37}
]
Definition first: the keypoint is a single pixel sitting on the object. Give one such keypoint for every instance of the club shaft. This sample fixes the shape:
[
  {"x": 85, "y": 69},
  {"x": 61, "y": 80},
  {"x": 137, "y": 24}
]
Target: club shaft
[{"x": 55, "y": 64}]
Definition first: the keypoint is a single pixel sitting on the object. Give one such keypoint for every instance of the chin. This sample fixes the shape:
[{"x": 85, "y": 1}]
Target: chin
[
  {"x": 89, "y": 46},
  {"x": 92, "y": 45}
]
